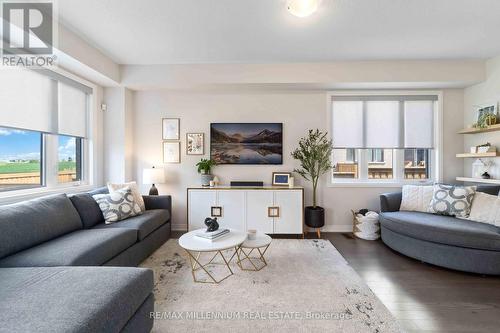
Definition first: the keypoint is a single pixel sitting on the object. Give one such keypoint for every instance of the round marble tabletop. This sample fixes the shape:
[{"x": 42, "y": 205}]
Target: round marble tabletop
[
  {"x": 261, "y": 240},
  {"x": 190, "y": 242}
]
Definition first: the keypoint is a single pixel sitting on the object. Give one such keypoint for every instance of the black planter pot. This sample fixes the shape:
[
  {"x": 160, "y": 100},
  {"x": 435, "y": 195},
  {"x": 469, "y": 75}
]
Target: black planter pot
[{"x": 314, "y": 217}]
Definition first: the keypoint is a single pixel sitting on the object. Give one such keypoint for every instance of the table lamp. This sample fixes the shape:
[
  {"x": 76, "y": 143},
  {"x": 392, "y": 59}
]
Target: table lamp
[{"x": 153, "y": 176}]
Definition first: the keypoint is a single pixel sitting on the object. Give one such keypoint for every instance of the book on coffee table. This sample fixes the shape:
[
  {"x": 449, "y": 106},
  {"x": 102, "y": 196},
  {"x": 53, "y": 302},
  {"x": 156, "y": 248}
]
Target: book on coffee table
[{"x": 212, "y": 235}]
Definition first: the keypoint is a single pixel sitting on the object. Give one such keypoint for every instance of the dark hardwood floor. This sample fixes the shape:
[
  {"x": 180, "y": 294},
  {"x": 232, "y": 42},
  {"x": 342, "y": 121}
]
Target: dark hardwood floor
[{"x": 422, "y": 297}]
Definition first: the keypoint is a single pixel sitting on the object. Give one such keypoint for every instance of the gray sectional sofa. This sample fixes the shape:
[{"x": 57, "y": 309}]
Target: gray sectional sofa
[
  {"x": 441, "y": 240},
  {"x": 51, "y": 250}
]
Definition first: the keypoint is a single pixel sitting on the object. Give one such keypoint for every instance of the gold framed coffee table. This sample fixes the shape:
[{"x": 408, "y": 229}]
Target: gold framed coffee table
[
  {"x": 258, "y": 245},
  {"x": 196, "y": 246}
]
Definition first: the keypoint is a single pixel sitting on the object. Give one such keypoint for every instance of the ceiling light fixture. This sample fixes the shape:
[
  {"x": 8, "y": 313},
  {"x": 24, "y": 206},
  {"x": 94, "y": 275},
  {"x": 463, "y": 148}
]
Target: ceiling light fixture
[{"x": 302, "y": 8}]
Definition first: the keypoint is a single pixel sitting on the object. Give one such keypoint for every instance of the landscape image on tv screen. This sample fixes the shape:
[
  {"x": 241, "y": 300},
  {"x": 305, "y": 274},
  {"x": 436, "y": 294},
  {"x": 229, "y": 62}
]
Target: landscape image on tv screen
[{"x": 246, "y": 143}]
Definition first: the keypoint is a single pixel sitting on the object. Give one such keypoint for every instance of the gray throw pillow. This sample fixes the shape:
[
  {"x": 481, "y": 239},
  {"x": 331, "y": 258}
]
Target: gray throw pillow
[
  {"x": 452, "y": 200},
  {"x": 118, "y": 205}
]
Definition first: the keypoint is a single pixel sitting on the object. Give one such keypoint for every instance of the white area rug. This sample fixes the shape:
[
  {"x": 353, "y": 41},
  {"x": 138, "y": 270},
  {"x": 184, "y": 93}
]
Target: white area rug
[{"x": 307, "y": 287}]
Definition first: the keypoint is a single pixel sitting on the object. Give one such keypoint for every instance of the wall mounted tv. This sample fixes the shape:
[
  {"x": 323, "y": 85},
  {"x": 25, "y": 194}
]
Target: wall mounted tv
[{"x": 246, "y": 143}]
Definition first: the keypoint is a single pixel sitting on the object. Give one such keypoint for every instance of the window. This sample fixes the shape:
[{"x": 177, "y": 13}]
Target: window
[
  {"x": 345, "y": 164},
  {"x": 69, "y": 162},
  {"x": 383, "y": 138},
  {"x": 20, "y": 159},
  {"x": 380, "y": 165},
  {"x": 43, "y": 131},
  {"x": 416, "y": 163},
  {"x": 376, "y": 156}
]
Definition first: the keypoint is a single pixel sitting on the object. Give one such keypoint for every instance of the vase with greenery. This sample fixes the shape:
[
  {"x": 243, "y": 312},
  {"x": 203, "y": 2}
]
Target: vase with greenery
[
  {"x": 205, "y": 169},
  {"x": 314, "y": 154}
]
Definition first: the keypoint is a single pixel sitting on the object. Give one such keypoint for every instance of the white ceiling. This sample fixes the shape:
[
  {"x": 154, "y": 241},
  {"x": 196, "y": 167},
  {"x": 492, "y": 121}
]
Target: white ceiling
[{"x": 262, "y": 31}]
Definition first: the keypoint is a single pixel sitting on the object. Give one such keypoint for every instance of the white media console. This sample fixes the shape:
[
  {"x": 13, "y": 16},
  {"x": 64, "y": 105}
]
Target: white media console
[{"x": 271, "y": 210}]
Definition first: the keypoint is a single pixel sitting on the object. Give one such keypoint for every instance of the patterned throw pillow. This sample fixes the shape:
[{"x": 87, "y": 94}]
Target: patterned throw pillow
[
  {"x": 135, "y": 192},
  {"x": 118, "y": 205},
  {"x": 452, "y": 200}
]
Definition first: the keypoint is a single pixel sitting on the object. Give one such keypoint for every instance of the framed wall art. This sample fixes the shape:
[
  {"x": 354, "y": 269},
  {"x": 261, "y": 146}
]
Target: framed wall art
[
  {"x": 171, "y": 128},
  {"x": 171, "y": 152},
  {"x": 195, "y": 144}
]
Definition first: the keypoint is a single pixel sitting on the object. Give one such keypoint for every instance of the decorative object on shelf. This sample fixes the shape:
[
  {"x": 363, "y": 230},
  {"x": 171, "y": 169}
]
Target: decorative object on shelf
[
  {"x": 281, "y": 178},
  {"x": 153, "y": 176},
  {"x": 246, "y": 143},
  {"x": 205, "y": 169},
  {"x": 477, "y": 168},
  {"x": 486, "y": 175},
  {"x": 171, "y": 152},
  {"x": 480, "y": 167},
  {"x": 366, "y": 225},
  {"x": 473, "y": 150},
  {"x": 195, "y": 144},
  {"x": 211, "y": 184},
  {"x": 314, "y": 154},
  {"x": 485, "y": 148},
  {"x": 216, "y": 181},
  {"x": 170, "y": 128},
  {"x": 487, "y": 116},
  {"x": 211, "y": 224}
]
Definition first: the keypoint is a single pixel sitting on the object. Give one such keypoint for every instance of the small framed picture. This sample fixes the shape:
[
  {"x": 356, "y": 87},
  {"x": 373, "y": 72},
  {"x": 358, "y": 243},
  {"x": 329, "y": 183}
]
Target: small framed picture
[
  {"x": 170, "y": 128},
  {"x": 216, "y": 211},
  {"x": 281, "y": 178},
  {"x": 171, "y": 152},
  {"x": 195, "y": 144}
]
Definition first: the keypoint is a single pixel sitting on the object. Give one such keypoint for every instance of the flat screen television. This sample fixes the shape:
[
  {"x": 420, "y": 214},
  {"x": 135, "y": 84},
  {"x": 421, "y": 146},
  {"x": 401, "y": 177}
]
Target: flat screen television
[{"x": 246, "y": 143}]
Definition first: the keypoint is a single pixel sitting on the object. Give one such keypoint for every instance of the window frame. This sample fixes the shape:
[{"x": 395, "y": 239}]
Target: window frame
[
  {"x": 49, "y": 160},
  {"x": 435, "y": 155}
]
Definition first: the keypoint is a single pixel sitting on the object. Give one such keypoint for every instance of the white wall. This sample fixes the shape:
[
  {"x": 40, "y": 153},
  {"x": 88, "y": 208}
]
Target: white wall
[
  {"x": 477, "y": 95},
  {"x": 118, "y": 135},
  {"x": 298, "y": 111}
]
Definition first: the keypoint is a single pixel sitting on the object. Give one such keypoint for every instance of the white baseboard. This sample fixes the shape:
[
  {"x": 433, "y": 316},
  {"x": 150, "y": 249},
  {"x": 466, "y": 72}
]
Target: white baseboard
[{"x": 179, "y": 227}]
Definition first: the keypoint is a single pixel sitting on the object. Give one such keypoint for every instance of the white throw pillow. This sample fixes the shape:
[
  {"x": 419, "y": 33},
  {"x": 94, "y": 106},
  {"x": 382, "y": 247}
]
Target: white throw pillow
[
  {"x": 135, "y": 192},
  {"x": 416, "y": 198},
  {"x": 118, "y": 205},
  {"x": 486, "y": 209},
  {"x": 452, "y": 200}
]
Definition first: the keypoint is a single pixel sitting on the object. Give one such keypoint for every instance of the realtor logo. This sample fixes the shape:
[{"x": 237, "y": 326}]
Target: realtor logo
[
  {"x": 27, "y": 28},
  {"x": 28, "y": 32}
]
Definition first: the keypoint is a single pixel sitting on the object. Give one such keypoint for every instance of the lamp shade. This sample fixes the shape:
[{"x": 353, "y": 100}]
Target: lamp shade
[{"x": 153, "y": 176}]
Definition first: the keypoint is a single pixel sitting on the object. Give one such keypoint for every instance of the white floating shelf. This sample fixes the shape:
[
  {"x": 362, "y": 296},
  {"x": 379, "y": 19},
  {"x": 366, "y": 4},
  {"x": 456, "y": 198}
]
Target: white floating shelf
[
  {"x": 478, "y": 155},
  {"x": 479, "y": 180}
]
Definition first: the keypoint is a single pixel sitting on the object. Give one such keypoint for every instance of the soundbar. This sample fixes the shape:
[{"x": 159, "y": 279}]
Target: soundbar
[{"x": 247, "y": 183}]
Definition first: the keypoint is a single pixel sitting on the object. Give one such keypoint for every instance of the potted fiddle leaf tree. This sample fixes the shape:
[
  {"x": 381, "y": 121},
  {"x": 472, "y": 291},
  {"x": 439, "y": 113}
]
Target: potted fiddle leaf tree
[
  {"x": 205, "y": 169},
  {"x": 314, "y": 154}
]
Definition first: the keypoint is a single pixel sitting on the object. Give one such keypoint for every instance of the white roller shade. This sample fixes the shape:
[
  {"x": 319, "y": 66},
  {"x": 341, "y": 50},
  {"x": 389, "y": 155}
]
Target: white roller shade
[
  {"x": 27, "y": 100},
  {"x": 347, "y": 124},
  {"x": 72, "y": 113},
  {"x": 419, "y": 124},
  {"x": 382, "y": 123}
]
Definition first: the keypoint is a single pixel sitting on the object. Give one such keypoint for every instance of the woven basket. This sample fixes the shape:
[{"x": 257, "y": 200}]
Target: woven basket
[{"x": 366, "y": 227}]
